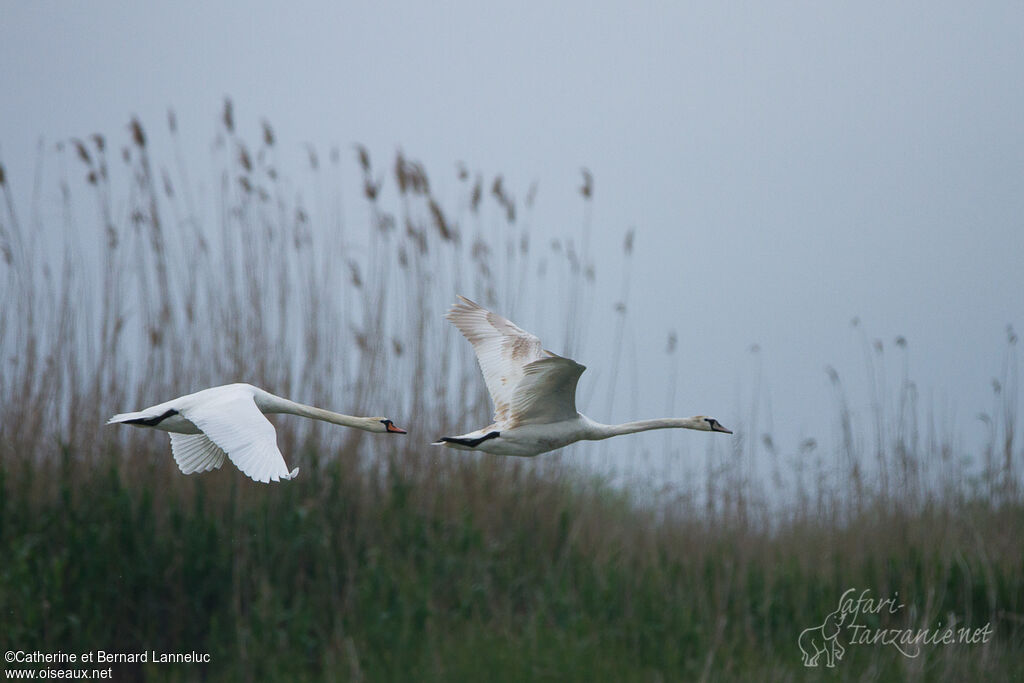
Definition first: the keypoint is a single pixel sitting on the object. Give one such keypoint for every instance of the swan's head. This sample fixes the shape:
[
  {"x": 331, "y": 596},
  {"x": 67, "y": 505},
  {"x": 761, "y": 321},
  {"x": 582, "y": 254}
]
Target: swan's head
[
  {"x": 383, "y": 424},
  {"x": 710, "y": 424}
]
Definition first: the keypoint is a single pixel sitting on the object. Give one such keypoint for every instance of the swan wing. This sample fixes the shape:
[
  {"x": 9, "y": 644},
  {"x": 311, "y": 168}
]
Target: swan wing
[
  {"x": 502, "y": 349},
  {"x": 546, "y": 393},
  {"x": 231, "y": 420},
  {"x": 195, "y": 453}
]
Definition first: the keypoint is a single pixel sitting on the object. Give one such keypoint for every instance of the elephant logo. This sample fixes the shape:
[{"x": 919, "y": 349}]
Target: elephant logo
[{"x": 823, "y": 640}]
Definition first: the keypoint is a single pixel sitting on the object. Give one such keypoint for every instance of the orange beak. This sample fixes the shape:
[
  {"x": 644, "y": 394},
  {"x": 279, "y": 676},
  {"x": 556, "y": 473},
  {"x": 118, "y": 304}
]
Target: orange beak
[{"x": 395, "y": 430}]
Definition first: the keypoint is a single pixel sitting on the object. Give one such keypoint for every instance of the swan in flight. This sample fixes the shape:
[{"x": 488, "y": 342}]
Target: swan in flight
[
  {"x": 228, "y": 420},
  {"x": 534, "y": 392}
]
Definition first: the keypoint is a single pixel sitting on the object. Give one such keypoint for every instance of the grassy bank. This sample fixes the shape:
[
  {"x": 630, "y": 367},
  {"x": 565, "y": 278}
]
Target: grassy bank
[{"x": 459, "y": 570}]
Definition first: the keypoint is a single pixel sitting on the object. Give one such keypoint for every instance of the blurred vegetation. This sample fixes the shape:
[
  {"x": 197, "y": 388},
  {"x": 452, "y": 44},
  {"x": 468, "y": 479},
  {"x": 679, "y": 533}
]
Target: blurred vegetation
[
  {"x": 384, "y": 560},
  {"x": 464, "y": 570}
]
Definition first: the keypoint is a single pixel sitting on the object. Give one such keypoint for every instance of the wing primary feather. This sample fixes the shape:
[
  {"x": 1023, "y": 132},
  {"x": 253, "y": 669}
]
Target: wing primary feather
[{"x": 502, "y": 350}]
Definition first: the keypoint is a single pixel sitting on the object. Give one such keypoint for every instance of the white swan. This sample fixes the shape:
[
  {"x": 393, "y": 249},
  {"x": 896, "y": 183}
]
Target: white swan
[
  {"x": 534, "y": 392},
  {"x": 228, "y": 419}
]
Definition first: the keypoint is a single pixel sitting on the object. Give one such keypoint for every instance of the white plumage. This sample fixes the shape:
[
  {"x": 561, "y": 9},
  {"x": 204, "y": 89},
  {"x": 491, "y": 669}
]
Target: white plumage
[
  {"x": 229, "y": 420},
  {"x": 534, "y": 392}
]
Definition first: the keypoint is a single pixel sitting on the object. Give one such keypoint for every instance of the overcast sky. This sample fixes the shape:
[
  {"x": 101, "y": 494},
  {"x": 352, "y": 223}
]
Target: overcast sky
[{"x": 787, "y": 166}]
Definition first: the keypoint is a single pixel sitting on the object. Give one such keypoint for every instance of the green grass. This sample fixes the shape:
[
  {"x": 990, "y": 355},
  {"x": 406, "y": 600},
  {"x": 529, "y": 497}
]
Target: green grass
[{"x": 475, "y": 570}]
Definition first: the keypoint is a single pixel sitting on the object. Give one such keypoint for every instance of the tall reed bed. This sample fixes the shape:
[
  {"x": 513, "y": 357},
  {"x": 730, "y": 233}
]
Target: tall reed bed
[
  {"x": 151, "y": 283},
  {"x": 385, "y": 561},
  {"x": 468, "y": 569}
]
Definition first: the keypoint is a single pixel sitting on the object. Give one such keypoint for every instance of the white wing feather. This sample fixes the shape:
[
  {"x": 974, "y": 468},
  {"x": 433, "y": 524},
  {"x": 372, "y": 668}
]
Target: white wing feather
[
  {"x": 502, "y": 350},
  {"x": 527, "y": 384},
  {"x": 195, "y": 453},
  {"x": 234, "y": 424},
  {"x": 547, "y": 392}
]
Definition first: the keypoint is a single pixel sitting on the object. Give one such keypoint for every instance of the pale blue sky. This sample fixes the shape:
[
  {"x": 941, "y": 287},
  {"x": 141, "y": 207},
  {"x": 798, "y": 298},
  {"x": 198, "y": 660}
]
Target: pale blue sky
[{"x": 787, "y": 165}]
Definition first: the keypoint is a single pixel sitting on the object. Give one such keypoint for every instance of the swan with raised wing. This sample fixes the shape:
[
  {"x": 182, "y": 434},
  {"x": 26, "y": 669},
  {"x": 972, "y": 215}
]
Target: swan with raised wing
[
  {"x": 534, "y": 392},
  {"x": 229, "y": 420}
]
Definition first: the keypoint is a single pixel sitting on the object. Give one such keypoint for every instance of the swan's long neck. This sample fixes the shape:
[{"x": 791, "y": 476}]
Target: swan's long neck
[
  {"x": 603, "y": 431},
  {"x": 268, "y": 403}
]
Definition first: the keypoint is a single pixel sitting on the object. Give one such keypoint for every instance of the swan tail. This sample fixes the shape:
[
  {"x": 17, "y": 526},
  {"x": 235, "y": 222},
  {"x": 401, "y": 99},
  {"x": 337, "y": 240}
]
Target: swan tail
[
  {"x": 146, "y": 418},
  {"x": 466, "y": 443},
  {"x": 126, "y": 417}
]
